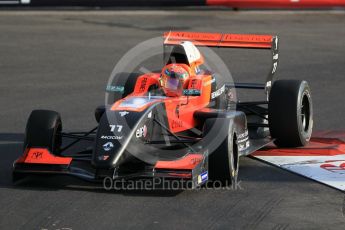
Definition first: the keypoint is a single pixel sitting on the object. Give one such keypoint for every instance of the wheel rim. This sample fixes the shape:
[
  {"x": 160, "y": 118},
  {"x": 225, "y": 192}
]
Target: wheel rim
[
  {"x": 235, "y": 155},
  {"x": 305, "y": 113},
  {"x": 233, "y": 159},
  {"x": 57, "y": 138}
]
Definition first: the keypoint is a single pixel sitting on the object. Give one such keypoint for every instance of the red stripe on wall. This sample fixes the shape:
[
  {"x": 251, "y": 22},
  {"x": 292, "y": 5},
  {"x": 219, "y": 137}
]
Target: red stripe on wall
[
  {"x": 277, "y": 3},
  {"x": 318, "y": 146}
]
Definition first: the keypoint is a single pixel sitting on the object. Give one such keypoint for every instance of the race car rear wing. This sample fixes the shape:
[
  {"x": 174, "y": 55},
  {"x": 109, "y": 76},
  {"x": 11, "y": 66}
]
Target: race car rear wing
[
  {"x": 220, "y": 40},
  {"x": 230, "y": 41}
]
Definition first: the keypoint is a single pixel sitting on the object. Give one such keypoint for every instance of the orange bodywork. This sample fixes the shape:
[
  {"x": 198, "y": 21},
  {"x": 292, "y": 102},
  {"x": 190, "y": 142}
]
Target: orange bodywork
[
  {"x": 179, "y": 110},
  {"x": 42, "y": 156},
  {"x": 186, "y": 163},
  {"x": 220, "y": 40},
  {"x": 144, "y": 82}
]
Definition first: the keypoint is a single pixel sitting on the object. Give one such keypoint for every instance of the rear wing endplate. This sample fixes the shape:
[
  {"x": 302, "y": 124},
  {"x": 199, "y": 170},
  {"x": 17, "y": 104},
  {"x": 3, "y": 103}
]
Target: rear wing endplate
[{"x": 229, "y": 41}]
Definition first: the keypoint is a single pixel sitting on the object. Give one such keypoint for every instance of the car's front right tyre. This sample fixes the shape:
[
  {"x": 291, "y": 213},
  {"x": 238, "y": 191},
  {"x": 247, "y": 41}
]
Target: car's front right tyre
[{"x": 43, "y": 130}]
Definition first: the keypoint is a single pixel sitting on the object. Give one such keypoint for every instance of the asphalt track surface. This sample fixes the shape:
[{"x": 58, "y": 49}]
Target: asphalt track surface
[{"x": 62, "y": 60}]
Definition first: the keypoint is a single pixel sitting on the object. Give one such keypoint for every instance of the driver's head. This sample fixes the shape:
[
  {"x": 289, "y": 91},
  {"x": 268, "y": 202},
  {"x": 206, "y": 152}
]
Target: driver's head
[{"x": 174, "y": 79}]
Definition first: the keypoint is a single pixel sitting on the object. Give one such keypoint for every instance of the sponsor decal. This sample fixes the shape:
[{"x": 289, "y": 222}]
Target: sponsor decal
[
  {"x": 191, "y": 92},
  {"x": 335, "y": 166},
  {"x": 177, "y": 111},
  {"x": 243, "y": 135},
  {"x": 141, "y": 132},
  {"x": 274, "y": 67},
  {"x": 196, "y": 160},
  {"x": 230, "y": 95},
  {"x": 197, "y": 70},
  {"x": 203, "y": 177},
  {"x": 115, "y": 128},
  {"x": 111, "y": 137},
  {"x": 103, "y": 157},
  {"x": 218, "y": 92},
  {"x": 149, "y": 115},
  {"x": 143, "y": 85},
  {"x": 243, "y": 141},
  {"x": 243, "y": 146},
  {"x": 108, "y": 146},
  {"x": 176, "y": 124},
  {"x": 43, "y": 156},
  {"x": 194, "y": 84},
  {"x": 37, "y": 155},
  {"x": 123, "y": 113},
  {"x": 115, "y": 88},
  {"x": 268, "y": 84}
]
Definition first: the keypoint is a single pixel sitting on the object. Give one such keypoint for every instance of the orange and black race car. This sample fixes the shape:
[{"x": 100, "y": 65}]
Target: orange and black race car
[{"x": 179, "y": 123}]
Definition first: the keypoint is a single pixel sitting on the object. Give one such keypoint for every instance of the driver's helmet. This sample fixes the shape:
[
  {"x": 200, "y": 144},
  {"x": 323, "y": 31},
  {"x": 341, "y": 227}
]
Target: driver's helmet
[{"x": 174, "y": 79}]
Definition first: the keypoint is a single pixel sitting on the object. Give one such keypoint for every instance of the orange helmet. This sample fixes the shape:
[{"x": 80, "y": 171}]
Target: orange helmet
[{"x": 174, "y": 79}]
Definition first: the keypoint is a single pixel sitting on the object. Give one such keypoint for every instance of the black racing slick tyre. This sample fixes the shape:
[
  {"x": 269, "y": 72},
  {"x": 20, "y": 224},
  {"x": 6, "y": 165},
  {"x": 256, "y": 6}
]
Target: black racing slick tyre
[
  {"x": 43, "y": 130},
  {"x": 130, "y": 84},
  {"x": 223, "y": 162},
  {"x": 290, "y": 113},
  {"x": 125, "y": 80}
]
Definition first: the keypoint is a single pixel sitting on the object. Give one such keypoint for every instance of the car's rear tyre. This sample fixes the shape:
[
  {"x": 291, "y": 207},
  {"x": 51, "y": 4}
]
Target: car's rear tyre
[
  {"x": 130, "y": 84},
  {"x": 290, "y": 113},
  {"x": 223, "y": 162},
  {"x": 128, "y": 81},
  {"x": 43, "y": 130}
]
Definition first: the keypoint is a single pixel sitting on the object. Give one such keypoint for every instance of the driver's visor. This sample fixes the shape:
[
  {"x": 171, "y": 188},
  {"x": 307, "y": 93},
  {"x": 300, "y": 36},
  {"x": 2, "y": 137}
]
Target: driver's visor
[{"x": 172, "y": 83}]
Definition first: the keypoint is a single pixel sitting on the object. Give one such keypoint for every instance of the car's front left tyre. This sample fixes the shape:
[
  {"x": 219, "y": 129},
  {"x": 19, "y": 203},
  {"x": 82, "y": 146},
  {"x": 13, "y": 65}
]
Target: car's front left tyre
[{"x": 223, "y": 161}]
